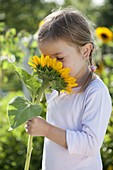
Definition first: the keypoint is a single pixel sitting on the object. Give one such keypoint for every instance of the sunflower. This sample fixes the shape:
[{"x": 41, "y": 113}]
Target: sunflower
[
  {"x": 41, "y": 23},
  {"x": 53, "y": 71},
  {"x": 104, "y": 34},
  {"x": 110, "y": 167},
  {"x": 100, "y": 68}
]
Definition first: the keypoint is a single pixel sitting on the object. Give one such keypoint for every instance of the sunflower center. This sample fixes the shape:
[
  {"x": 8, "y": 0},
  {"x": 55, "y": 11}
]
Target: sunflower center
[{"x": 104, "y": 36}]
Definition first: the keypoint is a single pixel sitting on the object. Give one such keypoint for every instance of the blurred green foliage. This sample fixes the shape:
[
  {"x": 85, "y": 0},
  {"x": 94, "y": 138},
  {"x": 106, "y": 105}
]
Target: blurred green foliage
[
  {"x": 106, "y": 14},
  {"x": 24, "y": 14},
  {"x": 13, "y": 145},
  {"x": 18, "y": 22},
  {"x": 104, "y": 61}
]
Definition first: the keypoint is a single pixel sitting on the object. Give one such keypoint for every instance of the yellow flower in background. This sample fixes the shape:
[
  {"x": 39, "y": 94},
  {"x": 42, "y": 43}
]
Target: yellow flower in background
[
  {"x": 100, "y": 68},
  {"x": 41, "y": 23},
  {"x": 104, "y": 34},
  {"x": 51, "y": 69},
  {"x": 110, "y": 167}
]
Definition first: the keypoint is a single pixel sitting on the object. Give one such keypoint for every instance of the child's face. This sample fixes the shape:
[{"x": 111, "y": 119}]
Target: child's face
[{"x": 69, "y": 55}]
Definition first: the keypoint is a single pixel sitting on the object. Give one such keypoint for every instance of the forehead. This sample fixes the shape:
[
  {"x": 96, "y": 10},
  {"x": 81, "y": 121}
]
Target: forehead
[{"x": 54, "y": 46}]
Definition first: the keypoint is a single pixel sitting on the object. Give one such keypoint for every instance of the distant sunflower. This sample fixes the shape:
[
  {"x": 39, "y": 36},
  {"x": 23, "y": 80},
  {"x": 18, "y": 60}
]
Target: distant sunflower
[
  {"x": 53, "y": 71},
  {"x": 100, "y": 68},
  {"x": 104, "y": 34},
  {"x": 41, "y": 23},
  {"x": 110, "y": 167}
]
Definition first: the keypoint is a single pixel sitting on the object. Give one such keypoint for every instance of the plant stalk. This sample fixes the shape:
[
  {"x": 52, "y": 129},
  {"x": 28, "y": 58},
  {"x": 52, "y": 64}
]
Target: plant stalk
[
  {"x": 29, "y": 151},
  {"x": 30, "y": 138},
  {"x": 42, "y": 90}
]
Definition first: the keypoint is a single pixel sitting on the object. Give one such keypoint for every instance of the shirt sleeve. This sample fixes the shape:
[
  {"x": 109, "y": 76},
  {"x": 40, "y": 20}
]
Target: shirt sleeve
[{"x": 97, "y": 111}]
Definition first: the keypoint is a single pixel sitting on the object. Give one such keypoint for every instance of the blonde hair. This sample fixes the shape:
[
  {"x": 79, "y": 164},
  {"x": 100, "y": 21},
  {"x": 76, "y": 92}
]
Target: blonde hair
[{"x": 71, "y": 26}]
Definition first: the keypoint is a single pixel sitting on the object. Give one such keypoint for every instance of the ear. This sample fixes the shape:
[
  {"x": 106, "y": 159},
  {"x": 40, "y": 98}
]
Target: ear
[{"x": 85, "y": 51}]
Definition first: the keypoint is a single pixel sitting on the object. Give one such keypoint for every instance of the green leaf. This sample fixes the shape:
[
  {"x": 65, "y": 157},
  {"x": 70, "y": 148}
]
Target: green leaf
[
  {"x": 29, "y": 80},
  {"x": 11, "y": 32},
  {"x": 20, "y": 110}
]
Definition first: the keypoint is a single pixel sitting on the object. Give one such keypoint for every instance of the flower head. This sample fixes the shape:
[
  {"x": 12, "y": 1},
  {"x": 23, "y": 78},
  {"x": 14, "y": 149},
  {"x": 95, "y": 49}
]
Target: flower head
[
  {"x": 104, "y": 34},
  {"x": 41, "y": 23},
  {"x": 51, "y": 69}
]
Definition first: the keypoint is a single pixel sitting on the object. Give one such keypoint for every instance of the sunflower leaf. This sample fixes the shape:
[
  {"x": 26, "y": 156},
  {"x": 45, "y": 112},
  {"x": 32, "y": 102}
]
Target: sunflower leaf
[
  {"x": 30, "y": 81},
  {"x": 20, "y": 110}
]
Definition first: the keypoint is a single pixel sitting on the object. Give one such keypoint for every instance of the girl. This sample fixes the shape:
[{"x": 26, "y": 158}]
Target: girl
[{"x": 76, "y": 123}]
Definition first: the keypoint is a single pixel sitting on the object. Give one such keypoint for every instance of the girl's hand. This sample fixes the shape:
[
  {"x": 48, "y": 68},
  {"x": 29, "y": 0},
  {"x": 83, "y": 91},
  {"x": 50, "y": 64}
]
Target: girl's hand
[{"x": 37, "y": 126}]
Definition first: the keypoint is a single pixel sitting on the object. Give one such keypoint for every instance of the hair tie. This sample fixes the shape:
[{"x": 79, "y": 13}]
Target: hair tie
[{"x": 93, "y": 68}]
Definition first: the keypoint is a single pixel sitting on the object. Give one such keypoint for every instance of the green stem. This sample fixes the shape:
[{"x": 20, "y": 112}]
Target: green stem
[
  {"x": 42, "y": 89},
  {"x": 29, "y": 151},
  {"x": 30, "y": 139}
]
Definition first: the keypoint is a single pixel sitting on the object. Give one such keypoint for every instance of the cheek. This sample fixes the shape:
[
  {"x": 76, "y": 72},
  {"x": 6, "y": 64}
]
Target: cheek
[
  {"x": 78, "y": 62},
  {"x": 75, "y": 67}
]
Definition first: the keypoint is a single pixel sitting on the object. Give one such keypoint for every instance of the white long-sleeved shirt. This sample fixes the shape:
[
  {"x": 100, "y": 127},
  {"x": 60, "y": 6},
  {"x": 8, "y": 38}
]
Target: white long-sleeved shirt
[{"x": 85, "y": 117}]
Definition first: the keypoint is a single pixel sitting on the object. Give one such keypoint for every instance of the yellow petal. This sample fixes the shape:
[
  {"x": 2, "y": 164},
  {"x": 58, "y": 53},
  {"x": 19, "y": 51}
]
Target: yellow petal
[
  {"x": 58, "y": 66},
  {"x": 53, "y": 63},
  {"x": 43, "y": 63},
  {"x": 47, "y": 60},
  {"x": 64, "y": 71},
  {"x": 50, "y": 62},
  {"x": 36, "y": 60},
  {"x": 35, "y": 70},
  {"x": 68, "y": 89},
  {"x": 71, "y": 79},
  {"x": 41, "y": 23},
  {"x": 72, "y": 84},
  {"x": 31, "y": 64}
]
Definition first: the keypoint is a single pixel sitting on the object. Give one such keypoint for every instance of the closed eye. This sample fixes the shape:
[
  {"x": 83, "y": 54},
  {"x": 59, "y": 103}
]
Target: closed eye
[{"x": 59, "y": 59}]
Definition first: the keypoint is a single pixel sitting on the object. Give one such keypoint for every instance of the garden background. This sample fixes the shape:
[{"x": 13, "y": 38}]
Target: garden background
[{"x": 19, "y": 22}]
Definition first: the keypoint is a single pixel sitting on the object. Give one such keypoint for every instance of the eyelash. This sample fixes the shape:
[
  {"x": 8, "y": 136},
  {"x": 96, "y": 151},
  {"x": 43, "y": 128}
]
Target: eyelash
[{"x": 59, "y": 59}]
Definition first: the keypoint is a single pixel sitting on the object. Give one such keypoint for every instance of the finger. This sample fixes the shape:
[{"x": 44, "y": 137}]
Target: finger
[
  {"x": 26, "y": 126},
  {"x": 29, "y": 122},
  {"x": 27, "y": 130}
]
